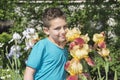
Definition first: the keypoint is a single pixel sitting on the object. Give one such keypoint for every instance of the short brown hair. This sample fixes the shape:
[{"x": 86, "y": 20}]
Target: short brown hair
[{"x": 50, "y": 14}]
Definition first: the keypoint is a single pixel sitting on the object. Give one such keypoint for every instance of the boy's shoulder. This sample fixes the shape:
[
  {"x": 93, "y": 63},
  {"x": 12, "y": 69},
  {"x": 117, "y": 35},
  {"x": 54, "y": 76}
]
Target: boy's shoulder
[{"x": 42, "y": 41}]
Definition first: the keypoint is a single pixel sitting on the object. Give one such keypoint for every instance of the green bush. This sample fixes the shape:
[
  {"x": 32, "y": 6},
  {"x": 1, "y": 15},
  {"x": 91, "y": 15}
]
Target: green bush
[{"x": 90, "y": 16}]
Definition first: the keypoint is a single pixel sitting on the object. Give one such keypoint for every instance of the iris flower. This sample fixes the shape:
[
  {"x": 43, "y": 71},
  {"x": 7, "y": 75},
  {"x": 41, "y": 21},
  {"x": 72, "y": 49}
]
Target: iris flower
[
  {"x": 104, "y": 52},
  {"x": 72, "y": 34},
  {"x": 74, "y": 67}
]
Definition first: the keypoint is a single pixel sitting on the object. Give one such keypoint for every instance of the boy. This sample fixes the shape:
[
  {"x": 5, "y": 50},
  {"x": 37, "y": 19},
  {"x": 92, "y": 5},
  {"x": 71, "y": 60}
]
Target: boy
[{"x": 48, "y": 57}]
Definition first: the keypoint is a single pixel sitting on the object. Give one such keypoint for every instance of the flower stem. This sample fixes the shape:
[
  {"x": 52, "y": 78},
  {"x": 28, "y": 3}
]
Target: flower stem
[
  {"x": 99, "y": 74},
  {"x": 106, "y": 69}
]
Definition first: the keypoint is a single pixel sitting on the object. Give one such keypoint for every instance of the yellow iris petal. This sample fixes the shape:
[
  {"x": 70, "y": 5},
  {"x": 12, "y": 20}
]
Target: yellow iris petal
[
  {"x": 104, "y": 52},
  {"x": 75, "y": 67},
  {"x": 72, "y": 34},
  {"x": 98, "y": 38}
]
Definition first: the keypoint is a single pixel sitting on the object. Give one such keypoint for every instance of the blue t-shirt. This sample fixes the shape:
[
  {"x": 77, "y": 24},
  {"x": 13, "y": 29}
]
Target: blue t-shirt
[{"x": 48, "y": 60}]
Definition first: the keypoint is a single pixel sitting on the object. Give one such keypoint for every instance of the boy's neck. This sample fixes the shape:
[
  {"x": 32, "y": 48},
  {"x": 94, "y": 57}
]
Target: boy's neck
[{"x": 61, "y": 45}]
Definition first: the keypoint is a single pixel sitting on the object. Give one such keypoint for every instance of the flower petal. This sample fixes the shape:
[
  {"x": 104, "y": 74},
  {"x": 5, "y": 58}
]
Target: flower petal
[
  {"x": 89, "y": 61},
  {"x": 72, "y": 77}
]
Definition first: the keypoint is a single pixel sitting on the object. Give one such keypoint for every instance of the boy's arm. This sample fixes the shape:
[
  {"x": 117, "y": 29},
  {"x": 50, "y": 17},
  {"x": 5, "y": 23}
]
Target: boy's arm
[{"x": 29, "y": 73}]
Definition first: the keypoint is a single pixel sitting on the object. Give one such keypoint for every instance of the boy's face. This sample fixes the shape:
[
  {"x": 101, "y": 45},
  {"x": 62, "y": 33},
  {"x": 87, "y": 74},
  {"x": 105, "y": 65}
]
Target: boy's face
[{"x": 57, "y": 30}]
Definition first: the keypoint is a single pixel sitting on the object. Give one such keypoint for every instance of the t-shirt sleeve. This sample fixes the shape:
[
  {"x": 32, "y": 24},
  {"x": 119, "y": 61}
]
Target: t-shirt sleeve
[{"x": 35, "y": 57}]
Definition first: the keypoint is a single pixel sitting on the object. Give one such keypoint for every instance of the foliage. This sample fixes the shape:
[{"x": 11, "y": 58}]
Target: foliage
[
  {"x": 8, "y": 74},
  {"x": 92, "y": 16},
  {"x": 5, "y": 37},
  {"x": 7, "y": 9}
]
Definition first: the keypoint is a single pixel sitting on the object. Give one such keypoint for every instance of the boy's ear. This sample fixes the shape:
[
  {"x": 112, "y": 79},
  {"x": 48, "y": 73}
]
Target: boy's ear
[{"x": 46, "y": 30}]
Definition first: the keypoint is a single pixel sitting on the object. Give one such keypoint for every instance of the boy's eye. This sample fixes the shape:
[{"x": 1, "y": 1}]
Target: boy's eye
[
  {"x": 65, "y": 27},
  {"x": 58, "y": 28}
]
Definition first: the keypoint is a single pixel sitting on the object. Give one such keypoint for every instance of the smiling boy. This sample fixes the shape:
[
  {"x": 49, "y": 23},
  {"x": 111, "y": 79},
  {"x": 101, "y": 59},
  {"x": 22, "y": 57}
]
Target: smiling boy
[{"x": 48, "y": 57}]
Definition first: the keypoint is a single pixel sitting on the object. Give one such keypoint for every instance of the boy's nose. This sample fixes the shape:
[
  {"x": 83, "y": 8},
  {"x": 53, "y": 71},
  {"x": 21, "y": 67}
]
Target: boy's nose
[{"x": 63, "y": 30}]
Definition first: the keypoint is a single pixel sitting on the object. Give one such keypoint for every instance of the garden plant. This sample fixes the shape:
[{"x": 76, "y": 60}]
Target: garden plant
[{"x": 94, "y": 31}]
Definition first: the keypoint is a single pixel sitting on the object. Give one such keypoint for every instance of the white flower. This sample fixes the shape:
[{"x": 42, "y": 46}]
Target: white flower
[
  {"x": 18, "y": 11},
  {"x": 103, "y": 6},
  {"x": 81, "y": 7},
  {"x": 1, "y": 44},
  {"x": 112, "y": 36},
  {"x": 37, "y": 9},
  {"x": 111, "y": 22},
  {"x": 99, "y": 26},
  {"x": 3, "y": 77},
  {"x": 72, "y": 8},
  {"x": 93, "y": 24},
  {"x": 15, "y": 49},
  {"x": 31, "y": 41},
  {"x": 31, "y": 37},
  {"x": 30, "y": 30},
  {"x": 29, "y": 44},
  {"x": 38, "y": 27},
  {"x": 106, "y": 1},
  {"x": 8, "y": 70},
  {"x": 28, "y": 33},
  {"x": 16, "y": 36},
  {"x": 8, "y": 76},
  {"x": 35, "y": 36}
]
